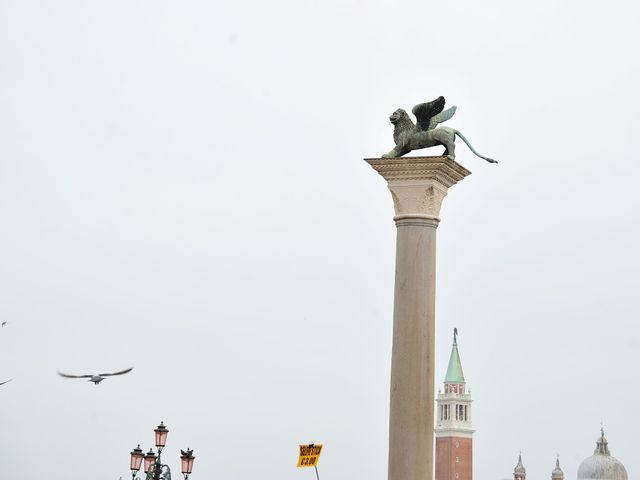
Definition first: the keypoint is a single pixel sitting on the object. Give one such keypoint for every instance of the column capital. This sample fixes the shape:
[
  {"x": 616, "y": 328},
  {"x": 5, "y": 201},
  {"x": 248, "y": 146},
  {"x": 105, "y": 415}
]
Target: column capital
[{"x": 418, "y": 184}]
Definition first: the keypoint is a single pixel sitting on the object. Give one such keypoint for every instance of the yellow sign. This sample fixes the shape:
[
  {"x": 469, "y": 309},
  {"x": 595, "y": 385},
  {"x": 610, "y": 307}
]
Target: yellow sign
[{"x": 309, "y": 455}]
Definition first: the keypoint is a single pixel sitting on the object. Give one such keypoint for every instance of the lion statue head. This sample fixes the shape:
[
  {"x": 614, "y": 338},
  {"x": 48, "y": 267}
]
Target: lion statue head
[{"x": 402, "y": 124}]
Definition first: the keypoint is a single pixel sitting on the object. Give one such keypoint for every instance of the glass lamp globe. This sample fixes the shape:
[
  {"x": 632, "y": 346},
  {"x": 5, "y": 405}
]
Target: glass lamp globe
[
  {"x": 187, "y": 461},
  {"x": 136, "y": 458},
  {"x": 161, "y": 435},
  {"x": 149, "y": 461}
]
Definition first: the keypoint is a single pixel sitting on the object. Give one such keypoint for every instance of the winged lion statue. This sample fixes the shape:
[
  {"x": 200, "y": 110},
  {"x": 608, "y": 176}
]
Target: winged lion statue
[{"x": 409, "y": 136}]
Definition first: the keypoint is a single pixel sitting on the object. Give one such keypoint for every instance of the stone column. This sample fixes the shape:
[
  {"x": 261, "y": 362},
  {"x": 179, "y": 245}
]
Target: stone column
[{"x": 418, "y": 186}]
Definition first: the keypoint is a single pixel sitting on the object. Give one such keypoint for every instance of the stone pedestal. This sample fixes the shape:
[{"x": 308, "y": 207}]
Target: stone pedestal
[{"x": 418, "y": 185}]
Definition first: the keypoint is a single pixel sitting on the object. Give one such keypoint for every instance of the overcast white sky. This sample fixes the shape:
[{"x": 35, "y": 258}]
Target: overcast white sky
[{"x": 182, "y": 190}]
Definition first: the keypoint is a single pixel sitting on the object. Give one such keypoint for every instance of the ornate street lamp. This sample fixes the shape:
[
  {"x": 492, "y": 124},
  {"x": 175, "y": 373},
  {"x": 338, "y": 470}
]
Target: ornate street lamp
[
  {"x": 153, "y": 466},
  {"x": 161, "y": 435},
  {"x": 187, "y": 462},
  {"x": 149, "y": 461},
  {"x": 136, "y": 460}
]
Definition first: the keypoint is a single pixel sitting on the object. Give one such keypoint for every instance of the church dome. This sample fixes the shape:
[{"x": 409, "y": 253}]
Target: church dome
[{"x": 601, "y": 465}]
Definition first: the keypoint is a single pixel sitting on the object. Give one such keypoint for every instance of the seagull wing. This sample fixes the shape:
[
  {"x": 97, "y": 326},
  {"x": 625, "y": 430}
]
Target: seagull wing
[
  {"x": 121, "y": 372},
  {"x": 73, "y": 376},
  {"x": 6, "y": 381}
]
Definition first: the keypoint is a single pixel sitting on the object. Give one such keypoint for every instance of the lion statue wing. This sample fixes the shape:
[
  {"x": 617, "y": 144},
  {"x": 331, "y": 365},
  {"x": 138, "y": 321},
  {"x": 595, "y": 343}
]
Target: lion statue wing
[
  {"x": 424, "y": 112},
  {"x": 441, "y": 117}
]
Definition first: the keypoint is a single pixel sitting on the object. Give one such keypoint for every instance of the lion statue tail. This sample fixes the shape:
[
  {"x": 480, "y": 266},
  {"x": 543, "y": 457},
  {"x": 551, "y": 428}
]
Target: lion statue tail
[{"x": 490, "y": 160}]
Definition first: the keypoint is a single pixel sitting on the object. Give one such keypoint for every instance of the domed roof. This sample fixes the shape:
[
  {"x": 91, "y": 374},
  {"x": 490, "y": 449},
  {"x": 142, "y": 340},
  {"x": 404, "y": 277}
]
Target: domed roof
[{"x": 601, "y": 465}]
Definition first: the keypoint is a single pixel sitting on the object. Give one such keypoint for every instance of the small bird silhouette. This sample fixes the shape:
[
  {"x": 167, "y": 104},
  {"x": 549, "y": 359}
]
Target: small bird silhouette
[
  {"x": 6, "y": 381},
  {"x": 4, "y": 323},
  {"x": 96, "y": 378}
]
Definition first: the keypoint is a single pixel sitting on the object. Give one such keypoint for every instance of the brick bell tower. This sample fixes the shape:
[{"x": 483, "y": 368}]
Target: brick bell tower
[{"x": 454, "y": 459}]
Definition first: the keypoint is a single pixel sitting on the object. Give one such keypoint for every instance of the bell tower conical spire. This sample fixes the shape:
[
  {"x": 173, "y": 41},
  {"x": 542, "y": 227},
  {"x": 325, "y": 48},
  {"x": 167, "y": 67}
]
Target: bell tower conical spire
[
  {"x": 454, "y": 370},
  {"x": 454, "y": 452}
]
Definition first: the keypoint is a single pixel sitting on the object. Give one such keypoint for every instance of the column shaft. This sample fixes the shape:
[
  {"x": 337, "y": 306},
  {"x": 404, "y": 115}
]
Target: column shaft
[{"x": 412, "y": 360}]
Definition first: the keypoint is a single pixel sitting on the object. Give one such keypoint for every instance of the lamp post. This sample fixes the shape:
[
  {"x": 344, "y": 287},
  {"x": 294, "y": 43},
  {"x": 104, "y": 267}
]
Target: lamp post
[{"x": 153, "y": 466}]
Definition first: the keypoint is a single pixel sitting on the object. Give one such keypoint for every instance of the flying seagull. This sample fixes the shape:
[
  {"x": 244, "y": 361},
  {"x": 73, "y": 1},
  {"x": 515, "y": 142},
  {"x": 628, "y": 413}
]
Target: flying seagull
[
  {"x": 4, "y": 323},
  {"x": 6, "y": 381},
  {"x": 96, "y": 378}
]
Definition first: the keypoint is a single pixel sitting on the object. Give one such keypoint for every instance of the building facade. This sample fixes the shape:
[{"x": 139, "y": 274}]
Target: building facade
[{"x": 454, "y": 433}]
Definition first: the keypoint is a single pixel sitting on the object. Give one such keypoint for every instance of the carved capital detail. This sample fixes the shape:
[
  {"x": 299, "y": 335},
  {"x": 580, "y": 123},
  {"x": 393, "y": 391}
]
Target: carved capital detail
[
  {"x": 419, "y": 184},
  {"x": 415, "y": 197}
]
